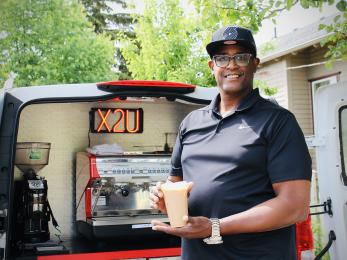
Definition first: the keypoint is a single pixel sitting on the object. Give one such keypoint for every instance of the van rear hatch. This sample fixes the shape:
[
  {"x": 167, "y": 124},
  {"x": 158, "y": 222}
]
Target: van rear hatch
[{"x": 72, "y": 118}]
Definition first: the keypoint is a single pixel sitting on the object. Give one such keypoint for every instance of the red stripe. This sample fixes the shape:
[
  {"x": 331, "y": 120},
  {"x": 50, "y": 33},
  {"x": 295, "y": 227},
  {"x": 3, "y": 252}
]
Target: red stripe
[
  {"x": 146, "y": 83},
  {"x": 93, "y": 170},
  {"x": 164, "y": 252},
  {"x": 88, "y": 202}
]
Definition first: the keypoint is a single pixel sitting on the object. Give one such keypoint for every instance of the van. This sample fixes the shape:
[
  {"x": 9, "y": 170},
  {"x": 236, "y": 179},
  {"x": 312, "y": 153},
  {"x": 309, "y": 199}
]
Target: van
[
  {"x": 330, "y": 144},
  {"x": 77, "y": 163}
]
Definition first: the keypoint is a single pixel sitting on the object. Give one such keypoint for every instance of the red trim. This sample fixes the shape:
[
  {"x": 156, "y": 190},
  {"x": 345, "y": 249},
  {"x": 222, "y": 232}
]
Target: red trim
[
  {"x": 147, "y": 253},
  {"x": 146, "y": 83},
  {"x": 88, "y": 202},
  {"x": 93, "y": 170},
  {"x": 94, "y": 174}
]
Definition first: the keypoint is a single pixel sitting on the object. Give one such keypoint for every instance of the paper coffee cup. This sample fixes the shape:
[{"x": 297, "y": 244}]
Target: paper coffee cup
[{"x": 176, "y": 201}]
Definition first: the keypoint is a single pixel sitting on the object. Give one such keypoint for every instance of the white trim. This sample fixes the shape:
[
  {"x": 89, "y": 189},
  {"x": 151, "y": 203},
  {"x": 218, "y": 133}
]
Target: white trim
[
  {"x": 309, "y": 65},
  {"x": 293, "y": 49}
]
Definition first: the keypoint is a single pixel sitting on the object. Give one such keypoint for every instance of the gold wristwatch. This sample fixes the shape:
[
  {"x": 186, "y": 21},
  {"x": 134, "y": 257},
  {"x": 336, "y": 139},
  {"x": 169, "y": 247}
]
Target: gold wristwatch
[{"x": 215, "y": 237}]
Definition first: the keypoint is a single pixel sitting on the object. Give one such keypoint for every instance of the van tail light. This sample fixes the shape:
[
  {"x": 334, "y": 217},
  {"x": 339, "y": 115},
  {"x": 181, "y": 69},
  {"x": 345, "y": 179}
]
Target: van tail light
[
  {"x": 304, "y": 240},
  {"x": 149, "y": 86}
]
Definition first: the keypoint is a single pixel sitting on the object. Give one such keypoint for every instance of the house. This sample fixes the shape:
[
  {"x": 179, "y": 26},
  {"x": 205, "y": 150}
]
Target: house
[{"x": 295, "y": 65}]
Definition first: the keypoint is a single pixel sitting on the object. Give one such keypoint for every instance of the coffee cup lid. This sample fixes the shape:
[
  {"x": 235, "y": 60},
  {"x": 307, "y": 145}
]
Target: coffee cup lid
[{"x": 174, "y": 185}]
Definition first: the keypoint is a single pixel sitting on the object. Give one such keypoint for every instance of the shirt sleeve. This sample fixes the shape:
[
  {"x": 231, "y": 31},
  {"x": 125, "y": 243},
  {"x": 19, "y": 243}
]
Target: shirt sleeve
[
  {"x": 176, "y": 166},
  {"x": 288, "y": 157}
]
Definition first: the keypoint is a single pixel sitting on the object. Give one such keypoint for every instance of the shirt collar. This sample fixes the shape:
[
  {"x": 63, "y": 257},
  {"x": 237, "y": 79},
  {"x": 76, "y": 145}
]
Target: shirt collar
[{"x": 245, "y": 104}]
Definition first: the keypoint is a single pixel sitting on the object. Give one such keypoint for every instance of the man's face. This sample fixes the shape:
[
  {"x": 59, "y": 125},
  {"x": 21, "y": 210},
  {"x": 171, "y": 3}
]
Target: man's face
[{"x": 234, "y": 79}]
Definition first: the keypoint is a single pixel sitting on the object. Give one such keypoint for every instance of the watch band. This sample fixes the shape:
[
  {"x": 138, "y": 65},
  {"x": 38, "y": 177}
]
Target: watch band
[{"x": 215, "y": 237}]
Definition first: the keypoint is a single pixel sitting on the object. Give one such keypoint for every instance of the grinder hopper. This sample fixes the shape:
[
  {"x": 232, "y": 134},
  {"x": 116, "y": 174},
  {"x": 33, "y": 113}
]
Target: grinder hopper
[{"x": 32, "y": 156}]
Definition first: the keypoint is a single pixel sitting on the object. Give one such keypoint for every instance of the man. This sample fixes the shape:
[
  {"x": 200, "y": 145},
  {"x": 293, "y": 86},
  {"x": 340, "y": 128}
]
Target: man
[{"x": 247, "y": 160}]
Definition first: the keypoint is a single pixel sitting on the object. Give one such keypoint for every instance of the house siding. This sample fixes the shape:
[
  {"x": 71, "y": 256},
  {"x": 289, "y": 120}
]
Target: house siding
[
  {"x": 299, "y": 92},
  {"x": 275, "y": 75}
]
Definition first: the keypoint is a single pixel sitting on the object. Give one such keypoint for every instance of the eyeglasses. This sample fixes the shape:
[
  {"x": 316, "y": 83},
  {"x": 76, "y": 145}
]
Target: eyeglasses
[{"x": 241, "y": 59}]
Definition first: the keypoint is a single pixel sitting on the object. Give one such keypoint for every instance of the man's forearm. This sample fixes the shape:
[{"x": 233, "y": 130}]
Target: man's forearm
[
  {"x": 264, "y": 217},
  {"x": 289, "y": 207}
]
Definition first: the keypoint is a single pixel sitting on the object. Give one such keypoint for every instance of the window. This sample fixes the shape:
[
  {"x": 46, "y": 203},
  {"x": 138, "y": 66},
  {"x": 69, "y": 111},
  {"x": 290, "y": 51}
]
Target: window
[
  {"x": 316, "y": 84},
  {"x": 320, "y": 82}
]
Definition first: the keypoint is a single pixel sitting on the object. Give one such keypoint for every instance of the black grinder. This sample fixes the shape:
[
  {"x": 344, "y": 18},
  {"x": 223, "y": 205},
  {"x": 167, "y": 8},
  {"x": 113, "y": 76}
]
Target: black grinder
[{"x": 32, "y": 210}]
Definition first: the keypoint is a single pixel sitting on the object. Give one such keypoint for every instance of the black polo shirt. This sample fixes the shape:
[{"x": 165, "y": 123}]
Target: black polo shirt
[{"x": 233, "y": 162}]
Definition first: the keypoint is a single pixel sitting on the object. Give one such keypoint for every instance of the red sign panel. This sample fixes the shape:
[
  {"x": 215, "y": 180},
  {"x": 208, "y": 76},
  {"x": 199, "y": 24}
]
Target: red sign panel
[{"x": 116, "y": 120}]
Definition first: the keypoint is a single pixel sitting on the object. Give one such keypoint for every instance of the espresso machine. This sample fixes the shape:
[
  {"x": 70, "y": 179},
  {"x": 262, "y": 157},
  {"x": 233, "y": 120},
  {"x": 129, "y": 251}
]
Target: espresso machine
[
  {"x": 112, "y": 193},
  {"x": 32, "y": 210}
]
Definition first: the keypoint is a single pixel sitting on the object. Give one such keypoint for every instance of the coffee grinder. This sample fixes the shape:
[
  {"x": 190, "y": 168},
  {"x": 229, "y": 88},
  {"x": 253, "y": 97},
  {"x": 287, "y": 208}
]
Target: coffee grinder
[{"x": 32, "y": 210}]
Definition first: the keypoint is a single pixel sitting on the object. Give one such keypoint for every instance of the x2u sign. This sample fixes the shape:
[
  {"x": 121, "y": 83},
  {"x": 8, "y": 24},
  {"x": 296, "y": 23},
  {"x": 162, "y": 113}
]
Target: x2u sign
[{"x": 116, "y": 120}]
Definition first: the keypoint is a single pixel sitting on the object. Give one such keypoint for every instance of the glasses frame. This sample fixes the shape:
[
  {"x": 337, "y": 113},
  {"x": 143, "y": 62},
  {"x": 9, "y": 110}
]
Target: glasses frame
[{"x": 233, "y": 58}]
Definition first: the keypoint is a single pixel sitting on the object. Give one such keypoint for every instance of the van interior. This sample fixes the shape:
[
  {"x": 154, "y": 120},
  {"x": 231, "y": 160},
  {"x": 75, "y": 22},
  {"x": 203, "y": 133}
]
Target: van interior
[{"x": 94, "y": 204}]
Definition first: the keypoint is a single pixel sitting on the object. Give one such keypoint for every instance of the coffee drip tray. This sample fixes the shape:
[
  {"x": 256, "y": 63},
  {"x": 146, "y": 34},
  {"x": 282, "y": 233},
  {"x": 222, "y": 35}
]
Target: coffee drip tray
[
  {"x": 125, "y": 213},
  {"x": 122, "y": 226},
  {"x": 116, "y": 221}
]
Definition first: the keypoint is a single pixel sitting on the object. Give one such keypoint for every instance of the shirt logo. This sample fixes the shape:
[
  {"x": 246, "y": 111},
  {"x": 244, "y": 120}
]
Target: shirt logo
[{"x": 242, "y": 126}]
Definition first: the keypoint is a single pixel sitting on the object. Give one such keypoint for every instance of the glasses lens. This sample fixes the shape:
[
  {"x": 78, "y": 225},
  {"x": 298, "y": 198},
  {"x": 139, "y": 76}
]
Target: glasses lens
[
  {"x": 221, "y": 60},
  {"x": 242, "y": 59}
]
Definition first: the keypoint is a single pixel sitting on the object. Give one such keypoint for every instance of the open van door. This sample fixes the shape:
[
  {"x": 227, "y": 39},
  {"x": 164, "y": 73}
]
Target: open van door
[
  {"x": 330, "y": 122},
  {"x": 100, "y": 197}
]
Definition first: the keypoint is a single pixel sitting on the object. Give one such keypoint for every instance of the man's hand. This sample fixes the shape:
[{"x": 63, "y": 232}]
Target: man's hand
[
  {"x": 195, "y": 227},
  {"x": 157, "y": 198}
]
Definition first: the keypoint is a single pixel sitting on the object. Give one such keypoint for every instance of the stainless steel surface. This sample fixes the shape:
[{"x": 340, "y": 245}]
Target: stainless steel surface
[
  {"x": 112, "y": 221},
  {"x": 121, "y": 190},
  {"x": 112, "y": 198},
  {"x": 136, "y": 169}
]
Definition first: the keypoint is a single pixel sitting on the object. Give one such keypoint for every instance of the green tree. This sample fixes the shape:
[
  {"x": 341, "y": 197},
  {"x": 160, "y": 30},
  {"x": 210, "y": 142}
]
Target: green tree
[
  {"x": 251, "y": 13},
  {"x": 51, "y": 41},
  {"x": 336, "y": 42},
  {"x": 106, "y": 19},
  {"x": 167, "y": 45},
  {"x": 170, "y": 41}
]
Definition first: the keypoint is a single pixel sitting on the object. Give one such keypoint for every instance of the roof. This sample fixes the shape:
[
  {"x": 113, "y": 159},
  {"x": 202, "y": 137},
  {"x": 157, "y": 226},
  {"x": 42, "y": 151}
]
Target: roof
[{"x": 298, "y": 39}]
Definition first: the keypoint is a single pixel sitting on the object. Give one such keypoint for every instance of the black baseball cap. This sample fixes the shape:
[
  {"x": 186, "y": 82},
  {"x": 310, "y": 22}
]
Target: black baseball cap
[{"x": 231, "y": 35}]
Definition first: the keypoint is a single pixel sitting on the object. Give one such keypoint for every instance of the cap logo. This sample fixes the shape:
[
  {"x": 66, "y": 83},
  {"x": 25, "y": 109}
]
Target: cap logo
[
  {"x": 230, "y": 33},
  {"x": 230, "y": 42}
]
